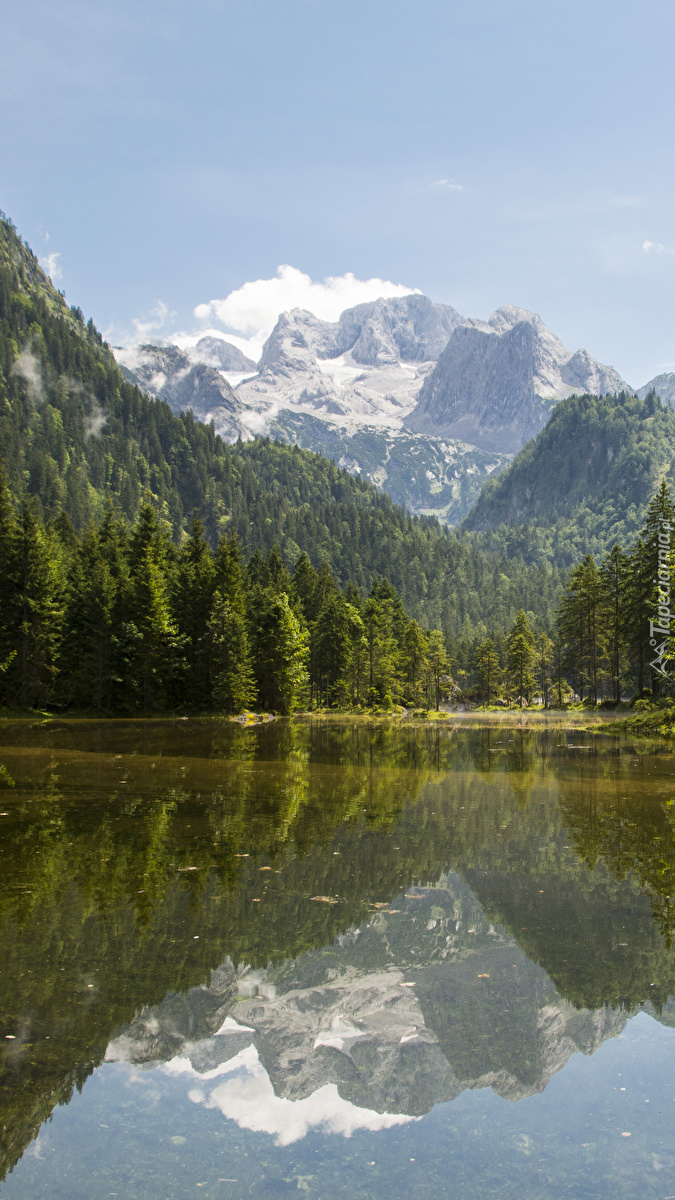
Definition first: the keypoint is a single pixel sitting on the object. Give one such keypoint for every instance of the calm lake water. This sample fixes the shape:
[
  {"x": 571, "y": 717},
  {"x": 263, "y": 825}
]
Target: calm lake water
[{"x": 335, "y": 961}]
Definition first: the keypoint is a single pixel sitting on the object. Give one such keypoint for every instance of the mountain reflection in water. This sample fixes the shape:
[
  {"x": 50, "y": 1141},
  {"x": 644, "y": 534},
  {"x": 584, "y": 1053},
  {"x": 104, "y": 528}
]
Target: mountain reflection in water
[{"x": 323, "y": 926}]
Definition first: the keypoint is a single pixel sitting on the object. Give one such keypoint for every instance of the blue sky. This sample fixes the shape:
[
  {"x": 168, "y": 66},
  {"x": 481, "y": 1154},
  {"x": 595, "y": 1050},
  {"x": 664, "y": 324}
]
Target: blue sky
[{"x": 484, "y": 153}]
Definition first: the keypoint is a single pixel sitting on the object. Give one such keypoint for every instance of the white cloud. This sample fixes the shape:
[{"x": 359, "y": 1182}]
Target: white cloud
[
  {"x": 248, "y": 314},
  {"x": 656, "y": 247},
  {"x": 245, "y": 1095},
  {"x": 27, "y": 367},
  {"x": 156, "y": 319},
  {"x": 448, "y": 185},
  {"x": 50, "y": 264}
]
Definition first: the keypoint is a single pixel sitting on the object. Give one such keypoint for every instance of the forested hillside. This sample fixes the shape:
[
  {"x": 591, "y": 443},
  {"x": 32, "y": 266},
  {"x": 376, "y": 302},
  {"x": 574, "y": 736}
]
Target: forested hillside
[
  {"x": 585, "y": 482},
  {"x": 76, "y": 436}
]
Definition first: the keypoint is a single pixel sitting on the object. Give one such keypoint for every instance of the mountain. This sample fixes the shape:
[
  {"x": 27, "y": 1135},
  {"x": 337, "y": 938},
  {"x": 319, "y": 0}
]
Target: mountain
[
  {"x": 585, "y": 481},
  {"x": 393, "y": 1017},
  {"x": 663, "y": 385},
  {"x": 409, "y": 394},
  {"x": 344, "y": 390},
  {"x": 496, "y": 382},
  {"x": 340, "y": 389},
  {"x": 165, "y": 372},
  {"x": 216, "y": 352},
  {"x": 75, "y": 435}
]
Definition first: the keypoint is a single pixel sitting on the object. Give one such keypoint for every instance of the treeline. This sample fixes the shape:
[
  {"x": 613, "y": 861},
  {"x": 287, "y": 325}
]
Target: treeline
[
  {"x": 605, "y": 643},
  {"x": 77, "y": 437},
  {"x": 583, "y": 483},
  {"x": 122, "y": 620}
]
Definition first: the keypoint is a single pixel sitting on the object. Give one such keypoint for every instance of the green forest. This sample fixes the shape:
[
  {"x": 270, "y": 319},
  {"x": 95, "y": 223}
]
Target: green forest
[
  {"x": 121, "y": 620},
  {"x": 150, "y": 566},
  {"x": 600, "y": 648},
  {"x": 75, "y": 436}
]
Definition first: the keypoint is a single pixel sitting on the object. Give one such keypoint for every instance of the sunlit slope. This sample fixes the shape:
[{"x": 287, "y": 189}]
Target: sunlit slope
[
  {"x": 77, "y": 435},
  {"x": 584, "y": 481}
]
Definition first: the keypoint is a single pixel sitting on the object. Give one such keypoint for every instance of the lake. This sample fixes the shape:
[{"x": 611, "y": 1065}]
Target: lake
[{"x": 333, "y": 959}]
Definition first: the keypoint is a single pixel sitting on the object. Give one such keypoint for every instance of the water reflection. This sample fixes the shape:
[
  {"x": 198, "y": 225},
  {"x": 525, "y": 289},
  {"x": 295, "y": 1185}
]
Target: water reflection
[{"x": 324, "y": 927}]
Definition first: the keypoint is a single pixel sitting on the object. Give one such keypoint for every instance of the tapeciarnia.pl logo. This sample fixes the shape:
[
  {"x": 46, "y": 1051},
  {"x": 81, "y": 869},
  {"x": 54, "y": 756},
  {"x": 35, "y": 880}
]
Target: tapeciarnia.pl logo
[{"x": 661, "y": 627}]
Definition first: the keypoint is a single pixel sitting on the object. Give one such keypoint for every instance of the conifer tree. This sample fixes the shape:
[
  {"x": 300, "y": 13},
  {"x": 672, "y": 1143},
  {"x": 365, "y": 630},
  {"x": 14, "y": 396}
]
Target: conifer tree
[
  {"x": 333, "y": 637},
  {"x": 383, "y": 655},
  {"x": 544, "y": 662},
  {"x": 152, "y": 647},
  {"x": 278, "y": 650},
  {"x": 614, "y": 586},
  {"x": 9, "y": 638},
  {"x": 193, "y": 589},
  {"x": 581, "y": 626},
  {"x": 34, "y": 608},
  {"x": 438, "y": 666},
  {"x": 489, "y": 674},
  {"x": 416, "y": 659},
  {"x": 303, "y": 587},
  {"x": 278, "y": 578},
  {"x": 232, "y": 681},
  {"x": 232, "y": 686},
  {"x": 520, "y": 657},
  {"x": 89, "y": 642},
  {"x": 656, "y": 572}
]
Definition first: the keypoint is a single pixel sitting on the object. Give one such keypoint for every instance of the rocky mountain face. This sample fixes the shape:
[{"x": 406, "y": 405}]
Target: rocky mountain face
[
  {"x": 411, "y": 395},
  {"x": 168, "y": 372},
  {"x": 214, "y": 352},
  {"x": 496, "y": 382},
  {"x": 663, "y": 385},
  {"x": 425, "y": 1000}
]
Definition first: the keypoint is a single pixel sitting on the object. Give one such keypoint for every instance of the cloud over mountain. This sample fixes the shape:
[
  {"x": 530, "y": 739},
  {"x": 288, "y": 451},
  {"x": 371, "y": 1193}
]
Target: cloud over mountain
[{"x": 249, "y": 313}]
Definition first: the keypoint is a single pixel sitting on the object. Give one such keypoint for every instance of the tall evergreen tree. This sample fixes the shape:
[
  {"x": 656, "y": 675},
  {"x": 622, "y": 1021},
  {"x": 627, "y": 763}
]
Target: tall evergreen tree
[
  {"x": 333, "y": 638},
  {"x": 90, "y": 642},
  {"x": 34, "y": 602},
  {"x": 614, "y": 586},
  {"x": 438, "y": 667},
  {"x": 278, "y": 650},
  {"x": 192, "y": 601},
  {"x": 487, "y": 666},
  {"x": 520, "y": 657}
]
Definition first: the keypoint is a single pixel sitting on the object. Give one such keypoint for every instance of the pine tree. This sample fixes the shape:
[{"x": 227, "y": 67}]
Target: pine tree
[
  {"x": 192, "y": 600},
  {"x": 278, "y": 650},
  {"x": 656, "y": 579},
  {"x": 581, "y": 626},
  {"x": 303, "y": 587},
  {"x": 486, "y": 662},
  {"x": 544, "y": 661},
  {"x": 614, "y": 585},
  {"x": 333, "y": 637},
  {"x": 232, "y": 683},
  {"x": 89, "y": 642},
  {"x": 34, "y": 611},
  {"x": 151, "y": 648},
  {"x": 520, "y": 657},
  {"x": 278, "y": 578},
  {"x": 415, "y": 659},
  {"x": 383, "y": 655},
  {"x": 438, "y": 666},
  {"x": 9, "y": 634}
]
